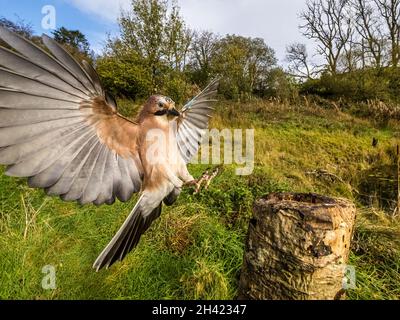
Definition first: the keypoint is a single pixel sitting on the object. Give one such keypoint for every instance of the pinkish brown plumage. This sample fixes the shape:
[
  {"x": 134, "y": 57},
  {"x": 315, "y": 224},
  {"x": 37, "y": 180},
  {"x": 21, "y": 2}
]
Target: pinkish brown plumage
[{"x": 60, "y": 129}]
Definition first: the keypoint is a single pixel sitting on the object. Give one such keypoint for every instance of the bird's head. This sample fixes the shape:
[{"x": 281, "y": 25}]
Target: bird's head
[{"x": 161, "y": 106}]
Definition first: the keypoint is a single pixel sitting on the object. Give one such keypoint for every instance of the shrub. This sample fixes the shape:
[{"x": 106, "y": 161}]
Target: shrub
[
  {"x": 360, "y": 85},
  {"x": 125, "y": 76}
]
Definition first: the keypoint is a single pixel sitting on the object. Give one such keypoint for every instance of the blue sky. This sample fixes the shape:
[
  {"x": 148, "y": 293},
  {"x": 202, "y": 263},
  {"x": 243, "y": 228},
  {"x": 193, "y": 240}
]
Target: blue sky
[
  {"x": 67, "y": 15},
  {"x": 274, "y": 20}
]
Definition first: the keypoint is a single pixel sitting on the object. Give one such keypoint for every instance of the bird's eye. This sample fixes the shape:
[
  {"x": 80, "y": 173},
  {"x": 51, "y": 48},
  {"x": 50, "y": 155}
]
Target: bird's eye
[{"x": 160, "y": 104}]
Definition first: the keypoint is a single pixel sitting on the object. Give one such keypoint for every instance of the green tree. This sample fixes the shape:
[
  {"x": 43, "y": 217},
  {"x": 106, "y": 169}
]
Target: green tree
[
  {"x": 125, "y": 76},
  {"x": 280, "y": 85},
  {"x": 75, "y": 41},
  {"x": 142, "y": 31},
  {"x": 155, "y": 34},
  {"x": 162, "y": 39},
  {"x": 243, "y": 63}
]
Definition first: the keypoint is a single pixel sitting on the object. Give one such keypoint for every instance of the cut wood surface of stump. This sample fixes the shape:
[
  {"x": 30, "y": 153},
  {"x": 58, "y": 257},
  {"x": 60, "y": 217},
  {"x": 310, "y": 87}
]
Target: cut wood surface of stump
[{"x": 297, "y": 247}]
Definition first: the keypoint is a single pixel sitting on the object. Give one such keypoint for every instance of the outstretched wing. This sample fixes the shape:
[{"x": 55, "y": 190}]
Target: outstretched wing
[
  {"x": 59, "y": 128},
  {"x": 194, "y": 120}
]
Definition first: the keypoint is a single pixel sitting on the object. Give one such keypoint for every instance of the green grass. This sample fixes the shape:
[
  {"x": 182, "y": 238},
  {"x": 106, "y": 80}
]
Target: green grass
[{"x": 195, "y": 250}]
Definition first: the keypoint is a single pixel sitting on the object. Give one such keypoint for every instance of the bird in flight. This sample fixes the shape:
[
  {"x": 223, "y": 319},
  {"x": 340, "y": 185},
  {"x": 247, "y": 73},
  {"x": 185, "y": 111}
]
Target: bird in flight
[{"x": 61, "y": 130}]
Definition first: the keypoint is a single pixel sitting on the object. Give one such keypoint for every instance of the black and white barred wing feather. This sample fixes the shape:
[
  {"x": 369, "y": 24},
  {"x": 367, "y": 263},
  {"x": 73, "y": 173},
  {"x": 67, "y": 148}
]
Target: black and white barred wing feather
[{"x": 194, "y": 121}]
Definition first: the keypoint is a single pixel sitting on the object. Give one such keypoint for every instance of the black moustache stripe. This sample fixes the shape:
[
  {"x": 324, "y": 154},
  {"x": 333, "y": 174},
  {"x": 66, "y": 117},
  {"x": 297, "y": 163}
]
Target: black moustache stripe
[
  {"x": 172, "y": 112},
  {"x": 161, "y": 113}
]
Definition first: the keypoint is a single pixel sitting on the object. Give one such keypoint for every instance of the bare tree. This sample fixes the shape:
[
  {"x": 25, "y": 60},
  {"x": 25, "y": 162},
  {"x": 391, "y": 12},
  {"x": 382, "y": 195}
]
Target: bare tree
[
  {"x": 369, "y": 27},
  {"x": 328, "y": 22},
  {"x": 19, "y": 26},
  {"x": 203, "y": 48},
  {"x": 351, "y": 54},
  {"x": 299, "y": 64},
  {"x": 390, "y": 11},
  {"x": 202, "y": 51},
  {"x": 352, "y": 58},
  {"x": 179, "y": 39}
]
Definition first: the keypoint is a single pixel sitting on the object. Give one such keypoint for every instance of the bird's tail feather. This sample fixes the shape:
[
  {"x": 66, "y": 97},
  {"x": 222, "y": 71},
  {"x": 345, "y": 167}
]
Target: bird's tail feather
[{"x": 128, "y": 236}]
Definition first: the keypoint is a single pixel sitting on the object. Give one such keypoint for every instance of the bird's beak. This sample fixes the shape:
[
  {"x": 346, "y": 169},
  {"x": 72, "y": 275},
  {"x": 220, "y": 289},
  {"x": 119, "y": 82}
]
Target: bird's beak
[{"x": 173, "y": 112}]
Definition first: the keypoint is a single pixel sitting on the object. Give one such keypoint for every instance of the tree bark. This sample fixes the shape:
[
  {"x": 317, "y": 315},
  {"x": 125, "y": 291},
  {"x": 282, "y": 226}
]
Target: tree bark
[{"x": 297, "y": 248}]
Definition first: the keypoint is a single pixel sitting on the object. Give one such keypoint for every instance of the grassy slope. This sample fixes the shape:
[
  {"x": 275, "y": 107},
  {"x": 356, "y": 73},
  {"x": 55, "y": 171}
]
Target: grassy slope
[{"x": 195, "y": 250}]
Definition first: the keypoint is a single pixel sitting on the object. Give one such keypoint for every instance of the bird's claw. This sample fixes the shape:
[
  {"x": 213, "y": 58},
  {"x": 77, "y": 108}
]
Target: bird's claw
[{"x": 205, "y": 180}]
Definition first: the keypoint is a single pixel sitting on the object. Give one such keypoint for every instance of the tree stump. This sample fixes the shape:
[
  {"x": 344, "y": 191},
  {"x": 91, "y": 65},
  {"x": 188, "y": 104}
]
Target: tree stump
[{"x": 297, "y": 248}]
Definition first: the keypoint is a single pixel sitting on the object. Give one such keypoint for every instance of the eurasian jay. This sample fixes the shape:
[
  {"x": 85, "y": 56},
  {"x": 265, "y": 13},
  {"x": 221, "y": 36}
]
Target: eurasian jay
[{"x": 59, "y": 128}]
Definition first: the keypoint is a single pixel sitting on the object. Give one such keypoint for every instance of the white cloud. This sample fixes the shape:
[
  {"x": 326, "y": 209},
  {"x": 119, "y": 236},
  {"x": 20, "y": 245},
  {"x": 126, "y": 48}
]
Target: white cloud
[
  {"x": 274, "y": 20},
  {"x": 108, "y": 10}
]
